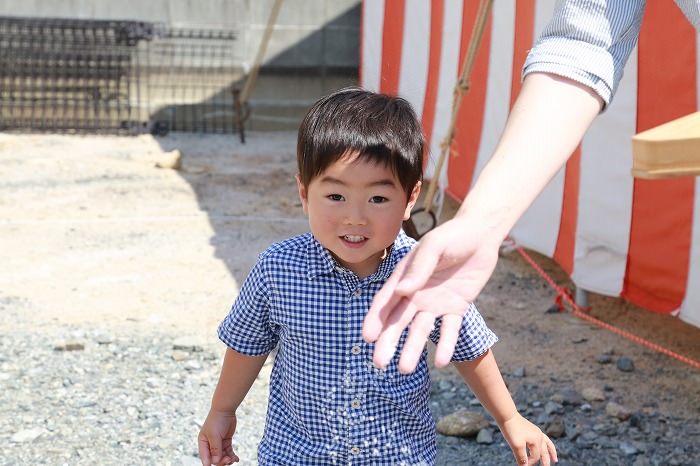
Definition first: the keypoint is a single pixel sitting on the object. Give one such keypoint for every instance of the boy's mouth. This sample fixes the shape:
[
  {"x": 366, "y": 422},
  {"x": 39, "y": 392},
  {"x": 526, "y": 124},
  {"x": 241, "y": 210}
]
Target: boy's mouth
[{"x": 354, "y": 238}]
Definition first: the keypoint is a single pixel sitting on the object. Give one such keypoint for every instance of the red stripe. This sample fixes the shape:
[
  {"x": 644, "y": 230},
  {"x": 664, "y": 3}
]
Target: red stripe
[
  {"x": 470, "y": 117},
  {"x": 662, "y": 210},
  {"x": 522, "y": 42},
  {"x": 392, "y": 43},
  {"x": 437, "y": 13},
  {"x": 566, "y": 240}
]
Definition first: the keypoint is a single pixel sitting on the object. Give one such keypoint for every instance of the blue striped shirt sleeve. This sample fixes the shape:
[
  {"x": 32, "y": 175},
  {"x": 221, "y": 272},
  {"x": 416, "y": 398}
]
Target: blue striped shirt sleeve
[{"x": 588, "y": 41}]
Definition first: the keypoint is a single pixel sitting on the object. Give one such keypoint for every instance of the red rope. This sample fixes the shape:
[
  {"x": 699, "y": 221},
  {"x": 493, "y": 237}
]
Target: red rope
[{"x": 564, "y": 295}]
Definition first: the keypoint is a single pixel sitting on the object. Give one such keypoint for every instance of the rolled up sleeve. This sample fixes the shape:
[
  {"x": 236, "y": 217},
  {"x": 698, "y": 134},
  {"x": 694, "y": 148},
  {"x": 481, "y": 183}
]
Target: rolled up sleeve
[{"x": 588, "y": 41}]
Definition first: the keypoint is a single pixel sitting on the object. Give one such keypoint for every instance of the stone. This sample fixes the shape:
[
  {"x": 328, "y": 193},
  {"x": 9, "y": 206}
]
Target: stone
[
  {"x": 171, "y": 160},
  {"x": 593, "y": 394},
  {"x": 69, "y": 346},
  {"x": 462, "y": 423},
  {"x": 27, "y": 435},
  {"x": 552, "y": 407},
  {"x": 485, "y": 437},
  {"x": 568, "y": 396},
  {"x": 179, "y": 355},
  {"x": 625, "y": 364},
  {"x": 604, "y": 358},
  {"x": 556, "y": 428},
  {"x": 617, "y": 411},
  {"x": 188, "y": 343}
]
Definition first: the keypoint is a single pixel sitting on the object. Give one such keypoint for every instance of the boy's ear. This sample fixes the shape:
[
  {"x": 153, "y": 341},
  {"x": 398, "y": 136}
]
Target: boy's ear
[
  {"x": 412, "y": 199},
  {"x": 302, "y": 195}
]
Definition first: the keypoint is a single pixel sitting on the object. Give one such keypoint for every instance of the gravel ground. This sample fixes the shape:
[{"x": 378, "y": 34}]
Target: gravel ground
[
  {"x": 115, "y": 274},
  {"x": 83, "y": 396}
]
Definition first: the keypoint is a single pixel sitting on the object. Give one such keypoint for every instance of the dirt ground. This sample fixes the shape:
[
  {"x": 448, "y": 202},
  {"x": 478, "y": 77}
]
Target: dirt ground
[{"x": 94, "y": 234}]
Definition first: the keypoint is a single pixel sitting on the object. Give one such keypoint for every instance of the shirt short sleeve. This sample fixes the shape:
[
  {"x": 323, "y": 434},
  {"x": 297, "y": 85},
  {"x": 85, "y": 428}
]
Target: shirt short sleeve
[{"x": 246, "y": 328}]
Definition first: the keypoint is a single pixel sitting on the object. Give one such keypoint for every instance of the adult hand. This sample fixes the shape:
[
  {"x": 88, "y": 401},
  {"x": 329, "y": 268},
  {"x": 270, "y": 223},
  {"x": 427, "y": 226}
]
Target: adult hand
[
  {"x": 215, "y": 437},
  {"x": 440, "y": 277}
]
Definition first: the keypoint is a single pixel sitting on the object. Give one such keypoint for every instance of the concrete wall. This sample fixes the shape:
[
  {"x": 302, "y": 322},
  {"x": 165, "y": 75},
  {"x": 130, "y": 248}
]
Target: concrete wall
[
  {"x": 308, "y": 33},
  {"x": 314, "y": 47}
]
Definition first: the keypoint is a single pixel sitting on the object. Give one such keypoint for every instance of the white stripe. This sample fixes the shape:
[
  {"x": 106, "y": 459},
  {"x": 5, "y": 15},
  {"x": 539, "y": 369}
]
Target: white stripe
[
  {"x": 500, "y": 75},
  {"x": 544, "y": 10},
  {"x": 372, "y": 31},
  {"x": 690, "y": 308},
  {"x": 605, "y": 195},
  {"x": 415, "y": 54},
  {"x": 538, "y": 228},
  {"x": 448, "y": 75}
]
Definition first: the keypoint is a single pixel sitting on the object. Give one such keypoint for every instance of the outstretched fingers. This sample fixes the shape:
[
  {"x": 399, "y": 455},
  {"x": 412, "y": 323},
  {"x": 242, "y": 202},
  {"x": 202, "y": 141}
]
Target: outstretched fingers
[
  {"x": 384, "y": 305},
  {"x": 449, "y": 334},
  {"x": 388, "y": 339},
  {"x": 420, "y": 328},
  {"x": 410, "y": 275}
]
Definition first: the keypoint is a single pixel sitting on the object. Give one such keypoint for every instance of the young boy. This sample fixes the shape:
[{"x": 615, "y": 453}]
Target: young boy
[{"x": 360, "y": 161}]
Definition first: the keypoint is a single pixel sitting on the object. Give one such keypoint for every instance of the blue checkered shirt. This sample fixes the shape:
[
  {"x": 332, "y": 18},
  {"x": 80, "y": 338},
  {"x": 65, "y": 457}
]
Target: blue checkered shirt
[{"x": 328, "y": 404}]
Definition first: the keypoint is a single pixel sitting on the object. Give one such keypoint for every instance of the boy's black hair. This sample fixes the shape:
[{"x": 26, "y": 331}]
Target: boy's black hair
[{"x": 379, "y": 127}]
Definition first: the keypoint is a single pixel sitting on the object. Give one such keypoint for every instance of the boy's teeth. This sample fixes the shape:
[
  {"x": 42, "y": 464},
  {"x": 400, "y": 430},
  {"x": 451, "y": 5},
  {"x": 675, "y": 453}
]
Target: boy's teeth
[{"x": 353, "y": 239}]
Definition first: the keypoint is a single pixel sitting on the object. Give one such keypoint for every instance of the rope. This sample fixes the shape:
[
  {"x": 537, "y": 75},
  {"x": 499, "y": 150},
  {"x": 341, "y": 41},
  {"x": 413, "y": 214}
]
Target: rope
[
  {"x": 461, "y": 87},
  {"x": 563, "y": 295}
]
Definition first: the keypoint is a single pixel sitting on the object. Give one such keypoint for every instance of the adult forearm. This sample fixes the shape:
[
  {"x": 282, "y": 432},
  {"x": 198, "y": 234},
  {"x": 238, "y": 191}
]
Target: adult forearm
[
  {"x": 547, "y": 122},
  {"x": 238, "y": 373}
]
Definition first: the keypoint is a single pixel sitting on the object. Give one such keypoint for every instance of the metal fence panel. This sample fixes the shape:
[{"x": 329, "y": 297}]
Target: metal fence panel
[{"x": 76, "y": 75}]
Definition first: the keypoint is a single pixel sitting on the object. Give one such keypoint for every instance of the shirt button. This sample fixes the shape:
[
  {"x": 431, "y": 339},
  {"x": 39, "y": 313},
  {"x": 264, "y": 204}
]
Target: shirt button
[
  {"x": 358, "y": 292},
  {"x": 356, "y": 349},
  {"x": 355, "y": 451},
  {"x": 339, "y": 269},
  {"x": 355, "y": 403}
]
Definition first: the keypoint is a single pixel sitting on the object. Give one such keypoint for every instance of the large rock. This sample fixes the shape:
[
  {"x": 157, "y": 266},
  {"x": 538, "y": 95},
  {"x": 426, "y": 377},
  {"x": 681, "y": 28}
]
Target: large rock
[{"x": 462, "y": 423}]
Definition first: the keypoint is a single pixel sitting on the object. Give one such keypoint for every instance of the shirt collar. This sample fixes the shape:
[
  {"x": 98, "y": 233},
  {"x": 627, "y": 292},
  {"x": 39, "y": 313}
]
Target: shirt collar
[{"x": 321, "y": 262}]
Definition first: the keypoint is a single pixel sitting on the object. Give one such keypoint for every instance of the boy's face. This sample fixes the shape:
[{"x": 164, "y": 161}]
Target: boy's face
[{"x": 355, "y": 210}]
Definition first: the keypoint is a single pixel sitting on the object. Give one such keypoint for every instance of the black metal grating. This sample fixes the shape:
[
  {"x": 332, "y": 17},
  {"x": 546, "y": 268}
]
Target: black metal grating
[
  {"x": 71, "y": 75},
  {"x": 190, "y": 74}
]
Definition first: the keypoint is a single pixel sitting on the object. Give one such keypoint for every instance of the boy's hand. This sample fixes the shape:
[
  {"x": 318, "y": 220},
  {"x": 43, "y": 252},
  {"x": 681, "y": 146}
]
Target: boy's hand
[
  {"x": 523, "y": 436},
  {"x": 215, "y": 439}
]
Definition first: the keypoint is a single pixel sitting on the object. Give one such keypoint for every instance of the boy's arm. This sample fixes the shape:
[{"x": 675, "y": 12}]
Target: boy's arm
[
  {"x": 238, "y": 373},
  {"x": 485, "y": 380}
]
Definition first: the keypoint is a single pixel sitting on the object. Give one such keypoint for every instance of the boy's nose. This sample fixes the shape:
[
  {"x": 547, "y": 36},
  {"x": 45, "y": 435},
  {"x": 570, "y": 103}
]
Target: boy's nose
[{"x": 355, "y": 215}]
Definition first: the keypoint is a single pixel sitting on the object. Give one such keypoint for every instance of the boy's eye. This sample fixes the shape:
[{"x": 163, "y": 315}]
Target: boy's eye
[
  {"x": 377, "y": 199},
  {"x": 335, "y": 197}
]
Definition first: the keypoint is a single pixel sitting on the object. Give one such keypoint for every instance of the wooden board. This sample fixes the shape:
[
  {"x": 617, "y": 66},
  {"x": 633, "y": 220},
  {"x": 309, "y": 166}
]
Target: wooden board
[{"x": 668, "y": 150}]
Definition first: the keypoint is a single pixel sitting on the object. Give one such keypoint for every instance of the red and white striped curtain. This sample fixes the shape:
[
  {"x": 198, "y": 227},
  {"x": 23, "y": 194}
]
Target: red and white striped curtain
[{"x": 614, "y": 234}]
